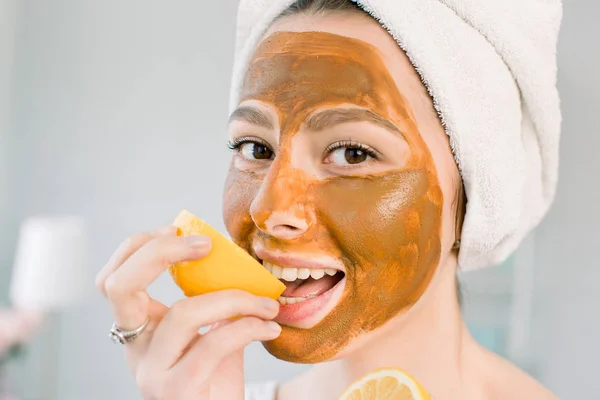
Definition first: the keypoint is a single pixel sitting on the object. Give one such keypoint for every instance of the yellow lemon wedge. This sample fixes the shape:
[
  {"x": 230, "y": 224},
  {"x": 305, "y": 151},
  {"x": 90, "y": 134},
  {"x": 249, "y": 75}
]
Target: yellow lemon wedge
[
  {"x": 386, "y": 384},
  {"x": 227, "y": 266}
]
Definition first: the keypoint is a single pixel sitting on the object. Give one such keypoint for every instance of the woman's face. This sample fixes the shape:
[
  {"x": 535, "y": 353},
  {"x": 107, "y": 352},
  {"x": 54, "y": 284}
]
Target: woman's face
[{"x": 332, "y": 183}]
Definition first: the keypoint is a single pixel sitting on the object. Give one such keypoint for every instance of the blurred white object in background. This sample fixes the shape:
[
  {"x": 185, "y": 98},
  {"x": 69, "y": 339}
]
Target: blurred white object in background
[{"x": 48, "y": 274}]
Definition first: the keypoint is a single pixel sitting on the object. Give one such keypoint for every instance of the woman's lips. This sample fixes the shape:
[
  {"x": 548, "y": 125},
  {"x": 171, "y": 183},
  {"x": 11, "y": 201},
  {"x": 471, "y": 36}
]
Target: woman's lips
[
  {"x": 309, "y": 311},
  {"x": 311, "y": 283}
]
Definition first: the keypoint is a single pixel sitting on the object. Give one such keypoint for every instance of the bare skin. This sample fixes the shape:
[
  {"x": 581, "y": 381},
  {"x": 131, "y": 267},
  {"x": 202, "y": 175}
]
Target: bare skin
[{"x": 425, "y": 333}]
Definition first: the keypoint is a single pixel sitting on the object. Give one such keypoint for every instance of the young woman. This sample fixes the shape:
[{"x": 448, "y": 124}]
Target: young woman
[{"x": 344, "y": 184}]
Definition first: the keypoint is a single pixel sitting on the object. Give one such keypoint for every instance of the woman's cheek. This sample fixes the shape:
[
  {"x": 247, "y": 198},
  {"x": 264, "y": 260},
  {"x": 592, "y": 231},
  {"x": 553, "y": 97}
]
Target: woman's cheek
[
  {"x": 388, "y": 230},
  {"x": 240, "y": 190},
  {"x": 368, "y": 215}
]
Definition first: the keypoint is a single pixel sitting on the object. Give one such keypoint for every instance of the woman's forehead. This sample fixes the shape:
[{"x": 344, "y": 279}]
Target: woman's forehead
[
  {"x": 308, "y": 66},
  {"x": 364, "y": 29}
]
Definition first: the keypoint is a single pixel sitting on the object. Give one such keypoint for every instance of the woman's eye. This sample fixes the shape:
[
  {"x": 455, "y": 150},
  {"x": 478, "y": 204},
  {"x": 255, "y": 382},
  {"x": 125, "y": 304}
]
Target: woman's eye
[
  {"x": 349, "y": 156},
  {"x": 255, "y": 151}
]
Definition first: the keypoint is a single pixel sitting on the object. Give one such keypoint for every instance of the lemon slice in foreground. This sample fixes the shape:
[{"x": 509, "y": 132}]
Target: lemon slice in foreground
[
  {"x": 386, "y": 384},
  {"x": 227, "y": 266}
]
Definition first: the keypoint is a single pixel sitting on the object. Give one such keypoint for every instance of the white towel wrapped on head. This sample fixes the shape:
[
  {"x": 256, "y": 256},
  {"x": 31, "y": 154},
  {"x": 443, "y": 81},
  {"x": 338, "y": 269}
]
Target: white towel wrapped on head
[{"x": 490, "y": 67}]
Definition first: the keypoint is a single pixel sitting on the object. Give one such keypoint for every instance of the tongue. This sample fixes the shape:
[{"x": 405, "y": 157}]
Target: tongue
[{"x": 309, "y": 287}]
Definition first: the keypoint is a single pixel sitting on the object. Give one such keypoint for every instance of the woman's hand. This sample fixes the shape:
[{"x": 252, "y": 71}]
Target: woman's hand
[{"x": 170, "y": 359}]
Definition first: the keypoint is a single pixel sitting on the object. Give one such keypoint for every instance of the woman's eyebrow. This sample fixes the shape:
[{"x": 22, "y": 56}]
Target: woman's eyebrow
[
  {"x": 253, "y": 116},
  {"x": 332, "y": 117}
]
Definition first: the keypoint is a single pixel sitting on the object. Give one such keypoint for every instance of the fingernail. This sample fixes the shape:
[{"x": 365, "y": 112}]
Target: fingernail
[
  {"x": 197, "y": 241},
  {"x": 270, "y": 304},
  {"x": 274, "y": 327}
]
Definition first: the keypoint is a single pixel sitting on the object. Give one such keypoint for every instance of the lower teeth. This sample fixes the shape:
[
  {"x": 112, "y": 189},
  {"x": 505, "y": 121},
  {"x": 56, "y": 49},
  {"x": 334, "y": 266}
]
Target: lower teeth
[{"x": 293, "y": 300}]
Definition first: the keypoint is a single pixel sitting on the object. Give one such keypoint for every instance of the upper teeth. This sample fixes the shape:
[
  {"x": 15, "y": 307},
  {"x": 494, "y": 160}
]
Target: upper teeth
[{"x": 291, "y": 274}]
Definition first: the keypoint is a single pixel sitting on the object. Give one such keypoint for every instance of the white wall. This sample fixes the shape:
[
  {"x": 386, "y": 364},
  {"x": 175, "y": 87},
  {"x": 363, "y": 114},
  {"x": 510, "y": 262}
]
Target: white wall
[
  {"x": 119, "y": 110},
  {"x": 567, "y": 322},
  {"x": 7, "y": 22}
]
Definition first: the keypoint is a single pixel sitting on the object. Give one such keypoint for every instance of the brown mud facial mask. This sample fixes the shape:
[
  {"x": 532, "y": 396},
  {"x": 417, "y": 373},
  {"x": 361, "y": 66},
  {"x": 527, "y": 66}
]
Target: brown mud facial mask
[{"x": 384, "y": 227}]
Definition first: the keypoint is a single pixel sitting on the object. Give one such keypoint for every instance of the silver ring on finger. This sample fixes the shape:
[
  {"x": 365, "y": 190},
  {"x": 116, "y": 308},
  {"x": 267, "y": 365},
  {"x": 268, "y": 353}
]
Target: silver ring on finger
[{"x": 121, "y": 336}]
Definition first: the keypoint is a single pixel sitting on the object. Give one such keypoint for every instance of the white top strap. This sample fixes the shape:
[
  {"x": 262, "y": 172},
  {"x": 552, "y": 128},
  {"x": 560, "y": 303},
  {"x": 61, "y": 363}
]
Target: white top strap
[{"x": 261, "y": 391}]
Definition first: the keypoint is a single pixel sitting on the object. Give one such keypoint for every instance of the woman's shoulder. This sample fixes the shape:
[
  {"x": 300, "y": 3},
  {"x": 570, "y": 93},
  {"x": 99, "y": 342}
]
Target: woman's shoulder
[{"x": 503, "y": 380}]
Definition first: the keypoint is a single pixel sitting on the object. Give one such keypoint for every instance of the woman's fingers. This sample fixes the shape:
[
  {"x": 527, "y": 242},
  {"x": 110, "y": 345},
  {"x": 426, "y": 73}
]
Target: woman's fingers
[
  {"x": 125, "y": 250},
  {"x": 203, "y": 358},
  {"x": 180, "y": 325},
  {"x": 136, "y": 349},
  {"x": 126, "y": 286}
]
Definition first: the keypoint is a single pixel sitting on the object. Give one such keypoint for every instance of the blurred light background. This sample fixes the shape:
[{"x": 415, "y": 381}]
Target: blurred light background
[{"x": 115, "y": 111}]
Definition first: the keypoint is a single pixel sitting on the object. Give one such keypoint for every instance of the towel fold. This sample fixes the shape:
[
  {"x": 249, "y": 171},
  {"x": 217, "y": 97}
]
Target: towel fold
[{"x": 490, "y": 68}]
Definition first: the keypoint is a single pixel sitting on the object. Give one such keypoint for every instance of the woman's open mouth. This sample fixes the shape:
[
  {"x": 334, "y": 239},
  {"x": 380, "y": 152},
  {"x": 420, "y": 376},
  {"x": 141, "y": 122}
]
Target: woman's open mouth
[
  {"x": 310, "y": 289},
  {"x": 303, "y": 283},
  {"x": 307, "y": 290}
]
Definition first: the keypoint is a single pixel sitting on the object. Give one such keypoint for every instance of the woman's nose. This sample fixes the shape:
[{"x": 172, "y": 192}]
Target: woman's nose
[
  {"x": 280, "y": 208},
  {"x": 284, "y": 225}
]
